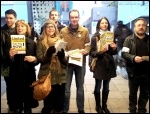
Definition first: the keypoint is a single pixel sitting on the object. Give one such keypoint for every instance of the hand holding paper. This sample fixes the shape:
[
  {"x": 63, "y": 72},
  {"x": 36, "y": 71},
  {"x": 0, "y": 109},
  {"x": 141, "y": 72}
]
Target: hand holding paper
[{"x": 60, "y": 44}]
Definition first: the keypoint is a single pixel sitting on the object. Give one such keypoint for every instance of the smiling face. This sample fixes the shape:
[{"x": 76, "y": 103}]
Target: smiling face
[
  {"x": 103, "y": 24},
  {"x": 21, "y": 29},
  {"x": 50, "y": 29}
]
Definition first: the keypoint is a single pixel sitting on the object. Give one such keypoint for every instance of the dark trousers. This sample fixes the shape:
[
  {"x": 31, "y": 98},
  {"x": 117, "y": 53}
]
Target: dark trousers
[
  {"x": 54, "y": 101},
  {"x": 9, "y": 92},
  {"x": 140, "y": 83},
  {"x": 98, "y": 85}
]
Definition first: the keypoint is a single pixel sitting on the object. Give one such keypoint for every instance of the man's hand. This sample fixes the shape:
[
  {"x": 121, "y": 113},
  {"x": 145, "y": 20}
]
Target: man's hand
[{"x": 138, "y": 59}]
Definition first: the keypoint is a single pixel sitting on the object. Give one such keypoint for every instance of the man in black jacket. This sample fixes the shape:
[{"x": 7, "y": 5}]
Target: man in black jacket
[
  {"x": 54, "y": 15},
  {"x": 8, "y": 29},
  {"x": 136, "y": 52}
]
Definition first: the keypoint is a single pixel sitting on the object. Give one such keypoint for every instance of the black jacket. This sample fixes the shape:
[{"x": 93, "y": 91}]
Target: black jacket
[
  {"x": 121, "y": 33},
  {"x": 105, "y": 66},
  {"x": 130, "y": 43}
]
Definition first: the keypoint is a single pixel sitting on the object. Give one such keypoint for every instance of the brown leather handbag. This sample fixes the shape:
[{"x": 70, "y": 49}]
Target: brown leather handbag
[{"x": 42, "y": 87}]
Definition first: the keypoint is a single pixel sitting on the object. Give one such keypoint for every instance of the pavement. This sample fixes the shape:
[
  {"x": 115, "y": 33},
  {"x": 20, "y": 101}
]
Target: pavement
[{"x": 117, "y": 99}]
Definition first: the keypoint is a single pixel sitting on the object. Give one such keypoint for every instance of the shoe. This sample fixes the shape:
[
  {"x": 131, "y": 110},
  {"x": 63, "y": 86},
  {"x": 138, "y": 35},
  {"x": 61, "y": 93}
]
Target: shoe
[{"x": 81, "y": 111}]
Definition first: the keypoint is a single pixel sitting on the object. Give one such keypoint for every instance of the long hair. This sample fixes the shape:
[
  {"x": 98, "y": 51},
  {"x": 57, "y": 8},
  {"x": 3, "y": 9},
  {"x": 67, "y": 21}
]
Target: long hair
[
  {"x": 44, "y": 34},
  {"x": 98, "y": 23}
]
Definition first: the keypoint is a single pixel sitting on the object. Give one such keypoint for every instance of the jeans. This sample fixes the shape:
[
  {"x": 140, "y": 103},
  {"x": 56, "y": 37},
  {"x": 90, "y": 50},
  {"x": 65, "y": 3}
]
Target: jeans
[
  {"x": 142, "y": 83},
  {"x": 79, "y": 79},
  {"x": 98, "y": 85}
]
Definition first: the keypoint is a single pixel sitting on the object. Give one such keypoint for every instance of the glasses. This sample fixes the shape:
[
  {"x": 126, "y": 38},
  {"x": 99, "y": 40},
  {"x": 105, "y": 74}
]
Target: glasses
[{"x": 49, "y": 27}]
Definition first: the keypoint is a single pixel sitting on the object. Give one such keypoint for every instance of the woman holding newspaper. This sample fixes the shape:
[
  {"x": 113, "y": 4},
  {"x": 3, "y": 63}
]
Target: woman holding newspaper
[
  {"x": 103, "y": 48},
  {"x": 52, "y": 60},
  {"x": 22, "y": 58}
]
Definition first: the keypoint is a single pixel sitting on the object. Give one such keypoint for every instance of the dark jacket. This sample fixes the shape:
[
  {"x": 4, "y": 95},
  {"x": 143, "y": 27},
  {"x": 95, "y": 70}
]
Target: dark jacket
[
  {"x": 130, "y": 43},
  {"x": 22, "y": 74},
  {"x": 5, "y": 44},
  {"x": 34, "y": 34},
  {"x": 121, "y": 32},
  {"x": 59, "y": 27},
  {"x": 105, "y": 65}
]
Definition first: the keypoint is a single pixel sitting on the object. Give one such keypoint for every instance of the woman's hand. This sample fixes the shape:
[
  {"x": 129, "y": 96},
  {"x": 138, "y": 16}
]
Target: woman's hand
[
  {"x": 113, "y": 46},
  {"x": 30, "y": 58},
  {"x": 12, "y": 52},
  {"x": 104, "y": 48}
]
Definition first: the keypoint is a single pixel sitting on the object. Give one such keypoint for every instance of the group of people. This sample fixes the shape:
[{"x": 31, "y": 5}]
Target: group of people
[{"x": 22, "y": 66}]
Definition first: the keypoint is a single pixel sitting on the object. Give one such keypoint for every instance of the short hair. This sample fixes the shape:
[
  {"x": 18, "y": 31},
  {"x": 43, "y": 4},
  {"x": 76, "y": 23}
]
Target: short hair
[
  {"x": 54, "y": 11},
  {"x": 28, "y": 33},
  {"x": 74, "y": 10},
  {"x": 120, "y": 22},
  {"x": 140, "y": 18},
  {"x": 11, "y": 11},
  {"x": 99, "y": 21}
]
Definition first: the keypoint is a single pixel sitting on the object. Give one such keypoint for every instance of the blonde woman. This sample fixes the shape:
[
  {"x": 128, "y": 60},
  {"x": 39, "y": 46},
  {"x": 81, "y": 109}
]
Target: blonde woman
[
  {"x": 22, "y": 71},
  {"x": 54, "y": 63}
]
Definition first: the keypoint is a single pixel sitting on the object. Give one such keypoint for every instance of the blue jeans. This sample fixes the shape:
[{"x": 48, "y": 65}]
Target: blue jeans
[
  {"x": 98, "y": 85},
  {"x": 79, "y": 79}
]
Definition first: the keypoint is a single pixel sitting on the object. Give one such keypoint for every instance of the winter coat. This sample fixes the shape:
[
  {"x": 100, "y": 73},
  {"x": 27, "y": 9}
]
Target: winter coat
[
  {"x": 105, "y": 65},
  {"x": 130, "y": 43},
  {"x": 22, "y": 74},
  {"x": 45, "y": 65}
]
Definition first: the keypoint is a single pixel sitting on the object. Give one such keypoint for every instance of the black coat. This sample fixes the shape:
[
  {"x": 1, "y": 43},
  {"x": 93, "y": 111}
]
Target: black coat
[
  {"x": 22, "y": 74},
  {"x": 105, "y": 66}
]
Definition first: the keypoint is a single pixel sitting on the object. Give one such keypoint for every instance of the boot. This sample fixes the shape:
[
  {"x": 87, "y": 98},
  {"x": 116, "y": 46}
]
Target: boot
[
  {"x": 104, "y": 101},
  {"x": 97, "y": 100}
]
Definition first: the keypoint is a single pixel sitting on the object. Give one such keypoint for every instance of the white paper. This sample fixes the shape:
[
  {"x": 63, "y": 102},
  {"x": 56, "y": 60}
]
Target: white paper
[
  {"x": 76, "y": 57},
  {"x": 60, "y": 44}
]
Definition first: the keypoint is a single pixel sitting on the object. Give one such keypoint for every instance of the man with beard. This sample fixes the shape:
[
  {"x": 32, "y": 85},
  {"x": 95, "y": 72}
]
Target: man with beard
[
  {"x": 136, "y": 52},
  {"x": 54, "y": 15},
  {"x": 7, "y": 30}
]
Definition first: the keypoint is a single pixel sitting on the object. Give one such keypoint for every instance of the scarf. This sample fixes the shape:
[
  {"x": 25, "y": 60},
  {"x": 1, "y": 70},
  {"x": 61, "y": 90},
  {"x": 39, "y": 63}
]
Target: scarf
[{"x": 55, "y": 65}]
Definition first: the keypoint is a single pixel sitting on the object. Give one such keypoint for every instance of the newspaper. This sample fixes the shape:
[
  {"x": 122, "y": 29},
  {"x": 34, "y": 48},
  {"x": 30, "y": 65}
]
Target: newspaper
[
  {"x": 76, "y": 57},
  {"x": 105, "y": 39},
  {"x": 60, "y": 44},
  {"x": 19, "y": 42}
]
